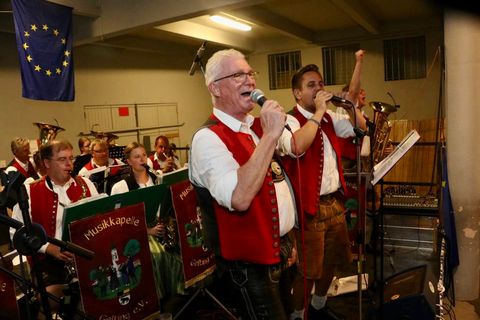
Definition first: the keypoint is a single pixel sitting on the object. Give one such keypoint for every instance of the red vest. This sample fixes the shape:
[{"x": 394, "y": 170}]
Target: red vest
[
  {"x": 311, "y": 165},
  {"x": 252, "y": 235},
  {"x": 156, "y": 165},
  {"x": 44, "y": 202},
  {"x": 113, "y": 171},
  {"x": 31, "y": 170},
  {"x": 348, "y": 147}
]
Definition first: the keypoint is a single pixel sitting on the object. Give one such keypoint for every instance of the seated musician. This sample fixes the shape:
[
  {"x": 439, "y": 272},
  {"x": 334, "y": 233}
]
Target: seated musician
[
  {"x": 48, "y": 196},
  {"x": 100, "y": 158},
  {"x": 167, "y": 264},
  {"x": 21, "y": 161},
  {"x": 164, "y": 158},
  {"x": 39, "y": 167},
  {"x": 85, "y": 155}
]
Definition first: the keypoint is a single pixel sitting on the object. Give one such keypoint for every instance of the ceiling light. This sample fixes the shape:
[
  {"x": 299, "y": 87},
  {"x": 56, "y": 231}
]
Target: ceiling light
[{"x": 231, "y": 23}]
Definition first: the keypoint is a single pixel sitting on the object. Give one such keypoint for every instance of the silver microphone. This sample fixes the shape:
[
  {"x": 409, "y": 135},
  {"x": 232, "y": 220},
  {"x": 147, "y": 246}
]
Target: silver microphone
[
  {"x": 258, "y": 97},
  {"x": 341, "y": 102}
]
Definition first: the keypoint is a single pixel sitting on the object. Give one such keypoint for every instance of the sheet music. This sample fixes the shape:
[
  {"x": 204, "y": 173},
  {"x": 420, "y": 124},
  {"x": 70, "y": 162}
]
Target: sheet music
[
  {"x": 95, "y": 170},
  {"x": 171, "y": 173},
  {"x": 87, "y": 199},
  {"x": 382, "y": 168}
]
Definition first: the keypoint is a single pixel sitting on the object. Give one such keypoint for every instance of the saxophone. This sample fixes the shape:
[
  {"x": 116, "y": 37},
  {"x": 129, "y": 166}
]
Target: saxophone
[{"x": 382, "y": 129}]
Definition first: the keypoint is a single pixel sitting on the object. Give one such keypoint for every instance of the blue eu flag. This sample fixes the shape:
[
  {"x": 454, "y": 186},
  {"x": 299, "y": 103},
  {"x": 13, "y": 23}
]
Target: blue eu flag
[
  {"x": 44, "y": 40},
  {"x": 448, "y": 215}
]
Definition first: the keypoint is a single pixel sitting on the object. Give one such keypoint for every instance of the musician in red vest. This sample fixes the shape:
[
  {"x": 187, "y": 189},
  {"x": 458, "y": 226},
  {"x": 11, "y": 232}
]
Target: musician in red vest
[
  {"x": 248, "y": 209},
  {"x": 100, "y": 158},
  {"x": 348, "y": 146},
  {"x": 164, "y": 158},
  {"x": 21, "y": 163},
  {"x": 47, "y": 198},
  {"x": 326, "y": 243}
]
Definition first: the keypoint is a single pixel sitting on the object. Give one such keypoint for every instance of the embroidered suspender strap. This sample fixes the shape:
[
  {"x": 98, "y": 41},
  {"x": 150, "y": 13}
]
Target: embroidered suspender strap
[{"x": 84, "y": 186}]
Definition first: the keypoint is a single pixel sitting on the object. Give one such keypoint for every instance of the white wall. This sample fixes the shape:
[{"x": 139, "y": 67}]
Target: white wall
[
  {"x": 418, "y": 99},
  {"x": 102, "y": 76},
  {"x": 462, "y": 43},
  {"x": 117, "y": 76}
]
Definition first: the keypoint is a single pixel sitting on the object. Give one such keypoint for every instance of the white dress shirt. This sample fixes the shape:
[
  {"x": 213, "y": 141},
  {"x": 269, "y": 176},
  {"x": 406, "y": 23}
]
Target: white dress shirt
[
  {"x": 122, "y": 186},
  {"x": 343, "y": 128},
  {"x": 84, "y": 172},
  {"x": 63, "y": 200},
  {"x": 212, "y": 166}
]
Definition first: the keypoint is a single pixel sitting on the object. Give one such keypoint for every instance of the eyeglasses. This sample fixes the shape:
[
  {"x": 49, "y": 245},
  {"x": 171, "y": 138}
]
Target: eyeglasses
[
  {"x": 64, "y": 159},
  {"x": 240, "y": 77},
  {"x": 100, "y": 151}
]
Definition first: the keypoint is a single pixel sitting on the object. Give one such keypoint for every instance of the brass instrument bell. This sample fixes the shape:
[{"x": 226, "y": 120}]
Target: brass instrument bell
[
  {"x": 382, "y": 129},
  {"x": 382, "y": 107},
  {"x": 48, "y": 132},
  {"x": 107, "y": 136}
]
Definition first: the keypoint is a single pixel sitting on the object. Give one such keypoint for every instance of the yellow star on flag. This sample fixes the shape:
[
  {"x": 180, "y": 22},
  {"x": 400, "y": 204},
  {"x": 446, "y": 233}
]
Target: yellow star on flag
[
  {"x": 38, "y": 68},
  {"x": 65, "y": 63},
  {"x": 55, "y": 32},
  {"x": 29, "y": 58},
  {"x": 26, "y": 34},
  {"x": 48, "y": 73},
  {"x": 58, "y": 71},
  {"x": 25, "y": 46},
  {"x": 33, "y": 27},
  {"x": 45, "y": 27},
  {"x": 66, "y": 53},
  {"x": 64, "y": 41}
]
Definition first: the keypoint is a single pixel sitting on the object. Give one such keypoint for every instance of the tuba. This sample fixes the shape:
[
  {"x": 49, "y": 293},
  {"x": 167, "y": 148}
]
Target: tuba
[
  {"x": 382, "y": 129},
  {"x": 48, "y": 132},
  {"x": 107, "y": 136}
]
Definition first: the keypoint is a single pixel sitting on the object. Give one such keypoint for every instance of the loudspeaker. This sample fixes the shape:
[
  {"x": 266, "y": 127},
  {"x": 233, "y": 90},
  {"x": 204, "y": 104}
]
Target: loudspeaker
[{"x": 410, "y": 294}]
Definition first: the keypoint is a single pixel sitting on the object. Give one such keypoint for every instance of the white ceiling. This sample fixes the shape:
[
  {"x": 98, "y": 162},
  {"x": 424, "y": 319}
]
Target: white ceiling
[{"x": 174, "y": 27}]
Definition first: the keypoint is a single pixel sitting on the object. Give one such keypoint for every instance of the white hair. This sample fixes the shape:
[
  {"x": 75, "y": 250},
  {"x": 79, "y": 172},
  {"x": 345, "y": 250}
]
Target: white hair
[{"x": 214, "y": 65}]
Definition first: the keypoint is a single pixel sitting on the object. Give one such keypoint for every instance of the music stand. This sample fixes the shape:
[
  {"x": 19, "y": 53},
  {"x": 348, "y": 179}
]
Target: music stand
[
  {"x": 189, "y": 217},
  {"x": 116, "y": 152},
  {"x": 207, "y": 292},
  {"x": 379, "y": 171}
]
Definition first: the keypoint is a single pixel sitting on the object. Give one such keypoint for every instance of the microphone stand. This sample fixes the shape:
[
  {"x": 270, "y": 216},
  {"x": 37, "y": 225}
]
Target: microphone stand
[
  {"x": 33, "y": 242},
  {"x": 359, "y": 133},
  {"x": 33, "y": 286},
  {"x": 28, "y": 239}
]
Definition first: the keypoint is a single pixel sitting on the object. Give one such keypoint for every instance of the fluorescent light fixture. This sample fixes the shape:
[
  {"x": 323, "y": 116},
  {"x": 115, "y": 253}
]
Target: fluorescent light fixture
[{"x": 229, "y": 22}]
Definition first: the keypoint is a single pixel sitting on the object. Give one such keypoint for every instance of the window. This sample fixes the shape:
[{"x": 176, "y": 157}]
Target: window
[
  {"x": 338, "y": 64},
  {"x": 404, "y": 58},
  {"x": 281, "y": 68}
]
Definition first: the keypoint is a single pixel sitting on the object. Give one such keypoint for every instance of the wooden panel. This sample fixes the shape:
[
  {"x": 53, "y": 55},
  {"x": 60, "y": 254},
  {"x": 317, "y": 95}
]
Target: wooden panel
[
  {"x": 161, "y": 114},
  {"x": 146, "y": 115},
  {"x": 123, "y": 122},
  {"x": 419, "y": 163},
  {"x": 98, "y": 118}
]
